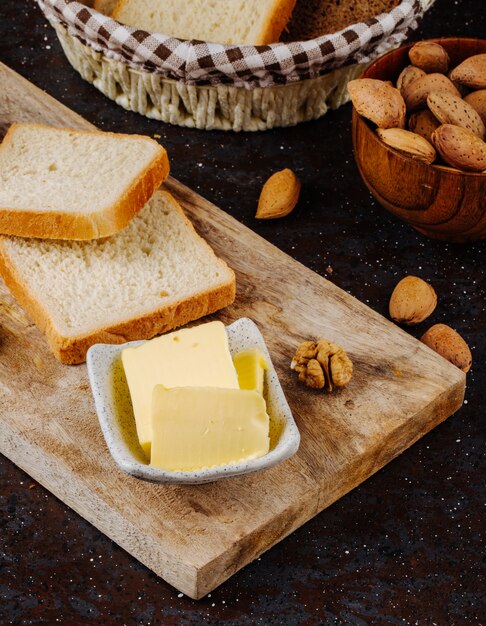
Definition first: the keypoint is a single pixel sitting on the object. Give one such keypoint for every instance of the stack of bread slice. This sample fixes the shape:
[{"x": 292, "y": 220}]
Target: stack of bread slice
[
  {"x": 89, "y": 246},
  {"x": 239, "y": 22}
]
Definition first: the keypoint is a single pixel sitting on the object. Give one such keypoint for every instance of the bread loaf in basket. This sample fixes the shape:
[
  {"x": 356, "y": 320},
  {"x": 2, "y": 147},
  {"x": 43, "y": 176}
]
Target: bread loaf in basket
[{"x": 216, "y": 86}]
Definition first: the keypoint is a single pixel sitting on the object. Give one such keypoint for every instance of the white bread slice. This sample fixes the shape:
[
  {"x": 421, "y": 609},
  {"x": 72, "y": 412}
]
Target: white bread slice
[
  {"x": 62, "y": 183},
  {"x": 253, "y": 22},
  {"x": 154, "y": 275}
]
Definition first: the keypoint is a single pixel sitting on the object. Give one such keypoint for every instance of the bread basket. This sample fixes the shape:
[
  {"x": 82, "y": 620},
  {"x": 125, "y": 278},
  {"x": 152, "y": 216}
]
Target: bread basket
[{"x": 226, "y": 87}]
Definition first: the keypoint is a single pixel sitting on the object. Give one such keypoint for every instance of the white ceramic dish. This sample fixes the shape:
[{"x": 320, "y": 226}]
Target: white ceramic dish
[{"x": 115, "y": 413}]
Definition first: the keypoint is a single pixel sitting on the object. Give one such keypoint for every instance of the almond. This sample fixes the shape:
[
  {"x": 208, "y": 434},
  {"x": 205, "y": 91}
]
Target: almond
[
  {"x": 449, "y": 109},
  {"x": 460, "y": 148},
  {"x": 416, "y": 93},
  {"x": 408, "y": 143},
  {"x": 279, "y": 195},
  {"x": 423, "y": 123},
  {"x": 471, "y": 72},
  {"x": 407, "y": 76},
  {"x": 378, "y": 101},
  {"x": 412, "y": 301},
  {"x": 448, "y": 343},
  {"x": 429, "y": 57},
  {"x": 477, "y": 99}
]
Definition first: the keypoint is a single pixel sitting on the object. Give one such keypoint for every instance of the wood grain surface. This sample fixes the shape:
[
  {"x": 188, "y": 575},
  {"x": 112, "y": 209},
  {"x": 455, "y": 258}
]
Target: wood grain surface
[{"x": 195, "y": 537}]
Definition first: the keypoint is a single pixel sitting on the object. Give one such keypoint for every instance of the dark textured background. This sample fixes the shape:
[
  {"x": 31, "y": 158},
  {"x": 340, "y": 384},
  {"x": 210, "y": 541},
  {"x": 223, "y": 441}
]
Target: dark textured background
[{"x": 406, "y": 547}]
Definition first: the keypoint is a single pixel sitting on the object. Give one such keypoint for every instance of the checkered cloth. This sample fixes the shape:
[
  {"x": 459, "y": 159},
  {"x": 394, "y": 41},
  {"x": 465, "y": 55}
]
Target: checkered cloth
[{"x": 200, "y": 63}]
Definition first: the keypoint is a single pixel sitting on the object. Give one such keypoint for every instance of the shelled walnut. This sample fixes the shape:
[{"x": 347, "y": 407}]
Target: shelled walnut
[{"x": 322, "y": 364}]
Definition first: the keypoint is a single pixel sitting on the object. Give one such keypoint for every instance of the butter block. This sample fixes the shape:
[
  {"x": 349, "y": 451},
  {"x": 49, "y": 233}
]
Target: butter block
[
  {"x": 199, "y": 427},
  {"x": 195, "y": 357},
  {"x": 250, "y": 366}
]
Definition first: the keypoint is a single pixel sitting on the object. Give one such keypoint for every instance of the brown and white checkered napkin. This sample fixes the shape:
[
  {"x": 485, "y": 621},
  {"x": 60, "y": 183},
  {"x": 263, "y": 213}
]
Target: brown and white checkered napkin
[{"x": 200, "y": 63}]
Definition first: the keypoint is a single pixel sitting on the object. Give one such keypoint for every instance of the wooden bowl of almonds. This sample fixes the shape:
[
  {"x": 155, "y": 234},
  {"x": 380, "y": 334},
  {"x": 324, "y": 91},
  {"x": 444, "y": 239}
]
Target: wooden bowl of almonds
[{"x": 419, "y": 117}]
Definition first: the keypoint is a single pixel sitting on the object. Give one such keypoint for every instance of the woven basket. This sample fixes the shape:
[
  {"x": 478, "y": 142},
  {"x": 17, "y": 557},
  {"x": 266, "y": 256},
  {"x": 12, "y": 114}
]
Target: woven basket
[{"x": 280, "y": 85}]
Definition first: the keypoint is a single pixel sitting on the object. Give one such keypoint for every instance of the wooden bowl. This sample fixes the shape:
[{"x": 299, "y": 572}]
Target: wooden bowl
[{"x": 438, "y": 201}]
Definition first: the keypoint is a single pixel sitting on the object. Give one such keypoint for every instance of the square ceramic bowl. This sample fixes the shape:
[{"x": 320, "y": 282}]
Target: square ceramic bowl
[{"x": 115, "y": 413}]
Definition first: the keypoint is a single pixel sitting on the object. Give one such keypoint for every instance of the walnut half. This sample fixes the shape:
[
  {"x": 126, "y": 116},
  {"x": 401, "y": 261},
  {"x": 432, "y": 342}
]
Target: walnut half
[{"x": 322, "y": 364}]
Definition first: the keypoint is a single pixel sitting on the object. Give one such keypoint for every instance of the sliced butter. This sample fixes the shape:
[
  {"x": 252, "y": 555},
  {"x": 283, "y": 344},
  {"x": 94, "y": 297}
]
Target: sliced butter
[
  {"x": 250, "y": 366},
  {"x": 196, "y": 357},
  {"x": 199, "y": 427}
]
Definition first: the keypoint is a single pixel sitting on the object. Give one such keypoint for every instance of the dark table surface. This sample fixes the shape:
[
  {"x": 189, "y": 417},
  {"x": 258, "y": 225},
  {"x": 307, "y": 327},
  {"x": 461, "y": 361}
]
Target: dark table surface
[{"x": 406, "y": 547}]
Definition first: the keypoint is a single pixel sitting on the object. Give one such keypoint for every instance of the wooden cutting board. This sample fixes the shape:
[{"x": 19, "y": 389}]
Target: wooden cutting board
[{"x": 195, "y": 537}]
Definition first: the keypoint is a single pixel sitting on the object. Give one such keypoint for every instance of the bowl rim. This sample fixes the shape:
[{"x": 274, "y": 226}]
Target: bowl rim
[{"x": 446, "y": 170}]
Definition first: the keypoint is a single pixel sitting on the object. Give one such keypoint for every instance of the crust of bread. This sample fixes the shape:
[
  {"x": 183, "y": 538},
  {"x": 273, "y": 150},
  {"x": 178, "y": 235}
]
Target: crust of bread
[
  {"x": 116, "y": 10},
  {"x": 103, "y": 223},
  {"x": 277, "y": 21},
  {"x": 72, "y": 350},
  {"x": 104, "y": 6}
]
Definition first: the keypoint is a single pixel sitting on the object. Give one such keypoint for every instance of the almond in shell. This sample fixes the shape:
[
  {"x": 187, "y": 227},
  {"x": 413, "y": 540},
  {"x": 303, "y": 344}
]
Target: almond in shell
[
  {"x": 448, "y": 343},
  {"x": 279, "y": 195},
  {"x": 477, "y": 99},
  {"x": 429, "y": 57},
  {"x": 423, "y": 123},
  {"x": 416, "y": 93},
  {"x": 449, "y": 109},
  {"x": 378, "y": 101},
  {"x": 460, "y": 148},
  {"x": 412, "y": 301},
  {"x": 471, "y": 72},
  {"x": 408, "y": 143},
  {"x": 407, "y": 76}
]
